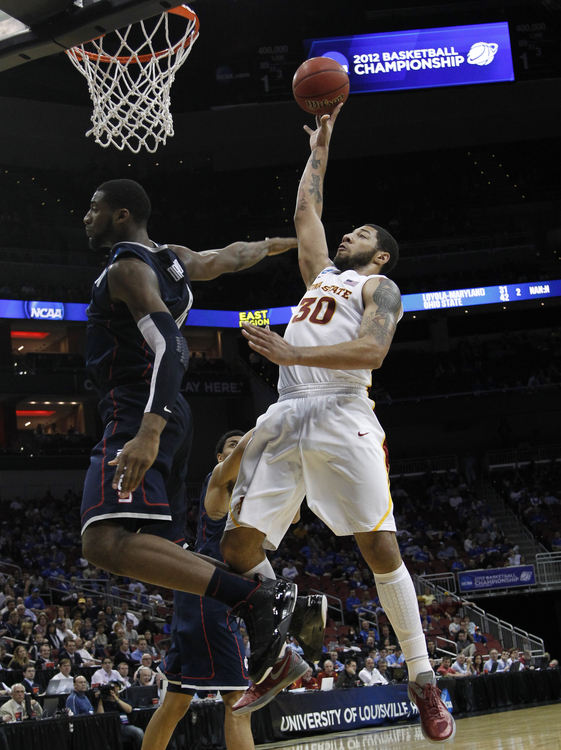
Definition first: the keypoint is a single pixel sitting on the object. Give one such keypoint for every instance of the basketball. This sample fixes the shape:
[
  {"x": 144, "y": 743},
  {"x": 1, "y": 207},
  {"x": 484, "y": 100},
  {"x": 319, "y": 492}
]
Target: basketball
[{"x": 319, "y": 85}]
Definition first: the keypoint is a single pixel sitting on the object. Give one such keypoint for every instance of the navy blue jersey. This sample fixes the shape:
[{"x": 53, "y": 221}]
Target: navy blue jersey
[
  {"x": 116, "y": 352},
  {"x": 209, "y": 531}
]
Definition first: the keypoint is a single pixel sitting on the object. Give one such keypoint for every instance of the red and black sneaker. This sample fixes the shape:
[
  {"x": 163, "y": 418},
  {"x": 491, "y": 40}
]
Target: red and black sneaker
[
  {"x": 267, "y": 614},
  {"x": 437, "y": 723},
  {"x": 285, "y": 671}
]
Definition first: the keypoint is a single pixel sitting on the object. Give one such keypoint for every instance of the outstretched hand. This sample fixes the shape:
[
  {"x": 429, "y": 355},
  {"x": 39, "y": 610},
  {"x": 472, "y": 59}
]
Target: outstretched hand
[
  {"x": 269, "y": 344},
  {"x": 321, "y": 136},
  {"x": 278, "y": 245}
]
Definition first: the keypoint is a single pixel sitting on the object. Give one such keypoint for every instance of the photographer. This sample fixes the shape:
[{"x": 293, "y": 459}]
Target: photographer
[{"x": 109, "y": 702}]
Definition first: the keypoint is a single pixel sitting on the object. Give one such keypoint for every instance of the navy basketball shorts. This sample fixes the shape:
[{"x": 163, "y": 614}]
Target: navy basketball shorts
[
  {"x": 121, "y": 411},
  {"x": 207, "y": 651}
]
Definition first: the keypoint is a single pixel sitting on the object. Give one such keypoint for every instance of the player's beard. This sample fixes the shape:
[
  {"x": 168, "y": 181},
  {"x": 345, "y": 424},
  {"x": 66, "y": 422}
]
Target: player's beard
[{"x": 348, "y": 262}]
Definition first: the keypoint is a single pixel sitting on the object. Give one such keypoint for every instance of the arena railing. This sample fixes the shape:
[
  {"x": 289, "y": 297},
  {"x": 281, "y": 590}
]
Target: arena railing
[
  {"x": 418, "y": 466},
  {"x": 508, "y": 635},
  {"x": 513, "y": 457},
  {"x": 548, "y": 569}
]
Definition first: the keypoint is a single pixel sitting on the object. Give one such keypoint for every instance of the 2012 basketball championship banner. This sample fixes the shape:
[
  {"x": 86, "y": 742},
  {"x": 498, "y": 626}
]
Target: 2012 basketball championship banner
[
  {"x": 497, "y": 578},
  {"x": 422, "y": 58}
]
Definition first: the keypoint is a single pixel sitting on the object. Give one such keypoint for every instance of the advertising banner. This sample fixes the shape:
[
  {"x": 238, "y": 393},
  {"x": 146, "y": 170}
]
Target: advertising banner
[
  {"x": 422, "y": 58},
  {"x": 295, "y": 714},
  {"x": 496, "y": 578}
]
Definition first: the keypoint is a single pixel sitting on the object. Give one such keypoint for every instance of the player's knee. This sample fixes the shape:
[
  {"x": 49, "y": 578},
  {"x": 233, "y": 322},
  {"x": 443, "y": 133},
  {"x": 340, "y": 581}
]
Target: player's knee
[{"x": 102, "y": 545}]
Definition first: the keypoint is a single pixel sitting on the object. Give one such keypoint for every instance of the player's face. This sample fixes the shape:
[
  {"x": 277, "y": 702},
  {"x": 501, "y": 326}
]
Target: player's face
[
  {"x": 356, "y": 248},
  {"x": 229, "y": 446},
  {"x": 98, "y": 222}
]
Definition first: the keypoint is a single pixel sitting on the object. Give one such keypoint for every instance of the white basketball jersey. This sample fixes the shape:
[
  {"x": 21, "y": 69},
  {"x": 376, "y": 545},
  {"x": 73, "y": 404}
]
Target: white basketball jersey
[{"x": 329, "y": 313}]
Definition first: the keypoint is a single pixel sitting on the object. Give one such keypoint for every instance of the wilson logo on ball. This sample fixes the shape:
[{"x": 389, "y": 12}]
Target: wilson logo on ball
[{"x": 319, "y": 85}]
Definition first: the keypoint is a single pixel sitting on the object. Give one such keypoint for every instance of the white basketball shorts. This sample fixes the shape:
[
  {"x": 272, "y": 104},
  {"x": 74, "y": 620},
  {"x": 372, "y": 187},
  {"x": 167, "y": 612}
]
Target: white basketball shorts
[{"x": 327, "y": 448}]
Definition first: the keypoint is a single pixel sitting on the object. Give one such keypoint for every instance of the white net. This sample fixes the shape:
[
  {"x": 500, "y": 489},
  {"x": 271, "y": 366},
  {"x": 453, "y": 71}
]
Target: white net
[{"x": 130, "y": 73}]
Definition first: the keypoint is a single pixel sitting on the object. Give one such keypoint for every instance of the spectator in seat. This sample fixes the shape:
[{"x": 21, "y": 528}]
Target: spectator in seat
[
  {"x": 69, "y": 651},
  {"x": 141, "y": 648},
  {"x": 505, "y": 661},
  {"x": 382, "y": 667},
  {"x": 396, "y": 658},
  {"x": 348, "y": 677},
  {"x": 445, "y": 668},
  {"x": 123, "y": 670},
  {"x": 53, "y": 637},
  {"x": 369, "y": 675},
  {"x": 462, "y": 667},
  {"x": 337, "y": 663},
  {"x": 105, "y": 674},
  {"x": 16, "y": 709},
  {"x": 146, "y": 622},
  {"x": 85, "y": 649},
  {"x": 492, "y": 663},
  {"x": 432, "y": 651},
  {"x": 290, "y": 571},
  {"x": 28, "y": 681},
  {"x": 477, "y": 664},
  {"x": 114, "y": 704},
  {"x": 59, "y": 683},
  {"x": 387, "y": 638},
  {"x": 464, "y": 644},
  {"x": 78, "y": 702},
  {"x": 327, "y": 671},
  {"x": 454, "y": 627},
  {"x": 147, "y": 662},
  {"x": 515, "y": 664},
  {"x": 45, "y": 659},
  {"x": 34, "y": 600},
  {"x": 20, "y": 658},
  {"x": 122, "y": 651},
  {"x": 307, "y": 681}
]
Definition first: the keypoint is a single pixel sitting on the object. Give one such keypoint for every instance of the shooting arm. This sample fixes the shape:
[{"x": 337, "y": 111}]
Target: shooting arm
[
  {"x": 237, "y": 256},
  {"x": 313, "y": 254}
]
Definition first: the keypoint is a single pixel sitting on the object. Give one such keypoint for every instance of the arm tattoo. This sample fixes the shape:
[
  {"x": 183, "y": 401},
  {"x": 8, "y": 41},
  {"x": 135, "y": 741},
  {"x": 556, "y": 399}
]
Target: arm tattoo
[
  {"x": 315, "y": 161},
  {"x": 382, "y": 322},
  {"x": 315, "y": 188}
]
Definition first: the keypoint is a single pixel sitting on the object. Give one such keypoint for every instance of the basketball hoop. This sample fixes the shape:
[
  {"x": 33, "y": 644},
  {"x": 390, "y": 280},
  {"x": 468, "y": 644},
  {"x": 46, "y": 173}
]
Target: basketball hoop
[{"x": 130, "y": 72}]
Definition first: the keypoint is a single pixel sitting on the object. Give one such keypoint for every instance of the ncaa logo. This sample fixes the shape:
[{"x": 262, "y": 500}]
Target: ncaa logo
[
  {"x": 482, "y": 53},
  {"x": 36, "y": 310},
  {"x": 526, "y": 575}
]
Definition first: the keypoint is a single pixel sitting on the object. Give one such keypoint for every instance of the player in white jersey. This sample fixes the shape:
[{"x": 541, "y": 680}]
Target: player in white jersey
[{"x": 322, "y": 439}]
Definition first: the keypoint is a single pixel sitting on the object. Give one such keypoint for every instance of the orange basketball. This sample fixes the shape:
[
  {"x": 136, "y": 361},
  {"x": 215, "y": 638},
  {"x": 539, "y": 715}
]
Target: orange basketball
[{"x": 319, "y": 85}]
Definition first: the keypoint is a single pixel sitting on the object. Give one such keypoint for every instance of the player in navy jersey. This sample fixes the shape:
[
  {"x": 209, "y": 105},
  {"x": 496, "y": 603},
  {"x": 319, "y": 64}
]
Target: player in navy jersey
[
  {"x": 137, "y": 357},
  {"x": 207, "y": 649}
]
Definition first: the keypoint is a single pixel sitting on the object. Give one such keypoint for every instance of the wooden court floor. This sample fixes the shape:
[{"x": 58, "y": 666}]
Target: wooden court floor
[{"x": 525, "y": 729}]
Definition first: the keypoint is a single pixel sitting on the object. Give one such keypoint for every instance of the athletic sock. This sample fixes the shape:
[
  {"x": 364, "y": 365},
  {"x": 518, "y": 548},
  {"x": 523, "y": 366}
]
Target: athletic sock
[
  {"x": 399, "y": 600},
  {"x": 264, "y": 568},
  {"x": 230, "y": 588}
]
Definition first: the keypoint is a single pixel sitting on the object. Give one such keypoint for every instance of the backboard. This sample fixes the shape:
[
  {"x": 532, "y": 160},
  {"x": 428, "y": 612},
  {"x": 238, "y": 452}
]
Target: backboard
[{"x": 38, "y": 28}]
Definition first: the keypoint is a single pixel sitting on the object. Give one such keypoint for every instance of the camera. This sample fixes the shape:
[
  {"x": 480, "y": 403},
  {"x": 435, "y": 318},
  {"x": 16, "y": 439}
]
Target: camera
[{"x": 106, "y": 691}]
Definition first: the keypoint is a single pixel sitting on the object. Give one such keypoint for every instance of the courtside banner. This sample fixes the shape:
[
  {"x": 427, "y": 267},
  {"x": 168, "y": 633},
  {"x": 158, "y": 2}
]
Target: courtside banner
[
  {"x": 296, "y": 714},
  {"x": 497, "y": 578},
  {"x": 422, "y": 58}
]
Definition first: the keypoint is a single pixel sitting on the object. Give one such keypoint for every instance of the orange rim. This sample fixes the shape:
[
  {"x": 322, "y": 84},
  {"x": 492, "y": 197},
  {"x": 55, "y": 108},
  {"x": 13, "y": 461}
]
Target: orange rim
[{"x": 180, "y": 10}]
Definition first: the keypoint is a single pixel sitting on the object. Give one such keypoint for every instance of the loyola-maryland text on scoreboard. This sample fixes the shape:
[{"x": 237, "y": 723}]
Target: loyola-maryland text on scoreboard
[{"x": 483, "y": 295}]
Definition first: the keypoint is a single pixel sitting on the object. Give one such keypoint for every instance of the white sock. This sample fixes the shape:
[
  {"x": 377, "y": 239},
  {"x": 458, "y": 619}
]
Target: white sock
[
  {"x": 399, "y": 600},
  {"x": 264, "y": 568}
]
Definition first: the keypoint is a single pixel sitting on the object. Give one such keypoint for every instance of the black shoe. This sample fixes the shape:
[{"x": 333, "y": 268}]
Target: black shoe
[
  {"x": 267, "y": 614},
  {"x": 308, "y": 624}
]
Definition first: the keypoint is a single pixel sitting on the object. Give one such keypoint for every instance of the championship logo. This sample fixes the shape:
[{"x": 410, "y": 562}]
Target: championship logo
[{"x": 482, "y": 53}]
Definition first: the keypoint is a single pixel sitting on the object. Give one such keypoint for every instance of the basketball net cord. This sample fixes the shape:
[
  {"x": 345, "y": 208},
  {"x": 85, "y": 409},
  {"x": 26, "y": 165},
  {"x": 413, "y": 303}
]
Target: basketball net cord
[{"x": 130, "y": 85}]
